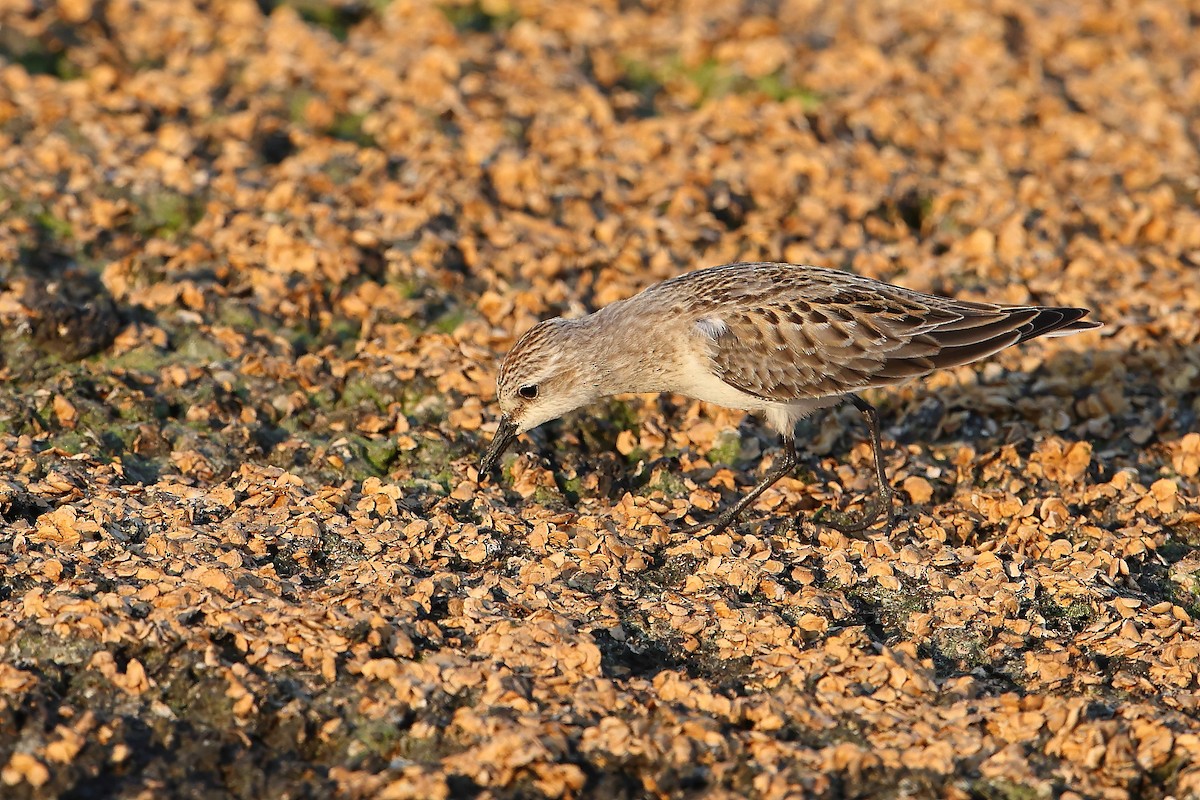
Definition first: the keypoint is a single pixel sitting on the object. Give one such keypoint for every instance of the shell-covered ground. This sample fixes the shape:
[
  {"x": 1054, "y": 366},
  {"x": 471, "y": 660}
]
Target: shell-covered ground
[{"x": 258, "y": 261}]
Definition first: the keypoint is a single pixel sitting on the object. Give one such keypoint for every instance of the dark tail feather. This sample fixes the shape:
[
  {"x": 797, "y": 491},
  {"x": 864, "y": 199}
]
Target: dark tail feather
[
  {"x": 1057, "y": 322},
  {"x": 961, "y": 343}
]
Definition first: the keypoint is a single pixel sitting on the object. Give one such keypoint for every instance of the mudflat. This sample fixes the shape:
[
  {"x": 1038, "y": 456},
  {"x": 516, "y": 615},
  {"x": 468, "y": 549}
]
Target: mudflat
[{"x": 259, "y": 260}]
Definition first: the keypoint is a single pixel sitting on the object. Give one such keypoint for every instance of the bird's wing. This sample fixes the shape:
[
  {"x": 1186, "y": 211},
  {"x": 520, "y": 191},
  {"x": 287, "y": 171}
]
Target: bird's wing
[{"x": 838, "y": 335}]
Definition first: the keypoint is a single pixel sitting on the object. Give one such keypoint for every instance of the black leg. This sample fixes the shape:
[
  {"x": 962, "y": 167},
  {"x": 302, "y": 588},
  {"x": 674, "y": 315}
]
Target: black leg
[
  {"x": 883, "y": 500},
  {"x": 785, "y": 465}
]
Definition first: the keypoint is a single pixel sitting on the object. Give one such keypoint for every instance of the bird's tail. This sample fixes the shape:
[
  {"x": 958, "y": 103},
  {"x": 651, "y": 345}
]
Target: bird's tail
[{"x": 1053, "y": 322}]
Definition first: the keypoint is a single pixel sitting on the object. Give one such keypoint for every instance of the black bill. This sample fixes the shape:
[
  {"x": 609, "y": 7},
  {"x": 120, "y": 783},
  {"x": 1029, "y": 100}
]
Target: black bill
[{"x": 505, "y": 435}]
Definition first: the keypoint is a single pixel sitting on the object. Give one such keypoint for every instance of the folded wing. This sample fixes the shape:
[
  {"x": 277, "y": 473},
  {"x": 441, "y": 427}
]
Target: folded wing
[{"x": 837, "y": 337}]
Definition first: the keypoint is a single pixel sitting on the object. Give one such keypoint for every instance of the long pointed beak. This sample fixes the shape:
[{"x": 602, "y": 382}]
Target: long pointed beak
[{"x": 505, "y": 435}]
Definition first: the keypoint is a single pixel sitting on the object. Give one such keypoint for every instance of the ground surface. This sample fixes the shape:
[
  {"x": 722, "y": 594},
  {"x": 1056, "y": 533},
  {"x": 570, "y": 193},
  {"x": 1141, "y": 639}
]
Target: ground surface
[{"x": 257, "y": 263}]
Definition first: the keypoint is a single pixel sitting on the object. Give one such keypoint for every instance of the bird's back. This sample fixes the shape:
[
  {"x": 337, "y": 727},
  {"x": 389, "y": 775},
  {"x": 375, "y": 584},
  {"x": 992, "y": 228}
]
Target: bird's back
[{"x": 786, "y": 333}]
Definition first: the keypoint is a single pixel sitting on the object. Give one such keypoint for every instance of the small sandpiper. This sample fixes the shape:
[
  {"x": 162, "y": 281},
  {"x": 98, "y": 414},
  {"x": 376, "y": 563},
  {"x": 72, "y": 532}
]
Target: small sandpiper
[{"x": 778, "y": 340}]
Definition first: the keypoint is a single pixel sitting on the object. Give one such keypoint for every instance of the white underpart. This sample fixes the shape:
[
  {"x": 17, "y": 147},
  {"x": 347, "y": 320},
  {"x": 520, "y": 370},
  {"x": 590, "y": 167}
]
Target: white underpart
[{"x": 696, "y": 379}]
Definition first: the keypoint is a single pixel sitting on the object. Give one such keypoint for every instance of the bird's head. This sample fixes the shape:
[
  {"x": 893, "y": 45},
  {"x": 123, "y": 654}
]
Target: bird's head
[{"x": 545, "y": 375}]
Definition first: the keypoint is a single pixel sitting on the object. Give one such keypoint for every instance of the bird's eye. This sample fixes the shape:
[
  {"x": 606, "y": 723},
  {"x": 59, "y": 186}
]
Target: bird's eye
[{"x": 529, "y": 392}]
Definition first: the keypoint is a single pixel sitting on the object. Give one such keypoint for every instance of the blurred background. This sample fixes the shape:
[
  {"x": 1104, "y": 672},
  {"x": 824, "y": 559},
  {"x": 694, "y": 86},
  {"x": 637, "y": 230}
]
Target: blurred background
[{"x": 258, "y": 261}]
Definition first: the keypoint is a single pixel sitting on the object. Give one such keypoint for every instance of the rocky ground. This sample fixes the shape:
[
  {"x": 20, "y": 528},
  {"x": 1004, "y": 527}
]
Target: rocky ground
[{"x": 258, "y": 261}]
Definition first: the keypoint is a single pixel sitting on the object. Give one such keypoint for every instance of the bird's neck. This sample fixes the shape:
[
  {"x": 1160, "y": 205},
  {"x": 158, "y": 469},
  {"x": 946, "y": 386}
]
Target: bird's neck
[{"x": 625, "y": 351}]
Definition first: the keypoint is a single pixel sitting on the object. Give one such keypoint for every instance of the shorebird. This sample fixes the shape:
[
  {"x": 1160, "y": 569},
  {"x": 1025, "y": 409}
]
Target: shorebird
[{"x": 778, "y": 340}]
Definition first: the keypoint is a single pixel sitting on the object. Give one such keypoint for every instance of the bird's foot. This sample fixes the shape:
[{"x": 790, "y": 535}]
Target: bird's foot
[{"x": 847, "y": 525}]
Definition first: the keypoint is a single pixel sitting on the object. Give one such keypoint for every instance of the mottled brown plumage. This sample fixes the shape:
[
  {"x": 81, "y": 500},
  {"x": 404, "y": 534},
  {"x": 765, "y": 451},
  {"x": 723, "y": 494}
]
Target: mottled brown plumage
[{"x": 776, "y": 339}]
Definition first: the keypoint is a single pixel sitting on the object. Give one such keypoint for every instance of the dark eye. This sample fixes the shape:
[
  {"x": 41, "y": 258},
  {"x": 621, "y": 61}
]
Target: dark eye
[{"x": 529, "y": 392}]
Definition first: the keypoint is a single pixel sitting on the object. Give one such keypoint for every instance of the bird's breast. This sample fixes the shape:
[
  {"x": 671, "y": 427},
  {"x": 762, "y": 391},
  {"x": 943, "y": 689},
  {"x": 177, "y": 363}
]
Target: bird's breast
[{"x": 695, "y": 378}]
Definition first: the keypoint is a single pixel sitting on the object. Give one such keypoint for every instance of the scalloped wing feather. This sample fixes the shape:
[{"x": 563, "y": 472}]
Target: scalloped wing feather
[{"x": 790, "y": 333}]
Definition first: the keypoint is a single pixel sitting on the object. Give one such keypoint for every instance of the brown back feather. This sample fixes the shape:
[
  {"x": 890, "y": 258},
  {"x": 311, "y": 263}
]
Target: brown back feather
[{"x": 793, "y": 333}]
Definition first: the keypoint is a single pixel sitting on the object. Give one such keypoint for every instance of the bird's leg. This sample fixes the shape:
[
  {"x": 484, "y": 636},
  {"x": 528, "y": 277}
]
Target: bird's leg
[
  {"x": 785, "y": 465},
  {"x": 883, "y": 501}
]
